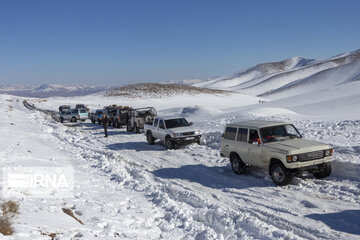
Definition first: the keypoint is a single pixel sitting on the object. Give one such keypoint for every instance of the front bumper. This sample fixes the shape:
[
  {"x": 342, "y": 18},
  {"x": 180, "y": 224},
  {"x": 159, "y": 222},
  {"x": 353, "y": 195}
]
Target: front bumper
[
  {"x": 186, "y": 140},
  {"x": 308, "y": 164}
]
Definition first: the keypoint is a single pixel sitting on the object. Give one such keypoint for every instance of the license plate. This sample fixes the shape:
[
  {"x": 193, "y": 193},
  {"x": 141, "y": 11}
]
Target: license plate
[{"x": 189, "y": 138}]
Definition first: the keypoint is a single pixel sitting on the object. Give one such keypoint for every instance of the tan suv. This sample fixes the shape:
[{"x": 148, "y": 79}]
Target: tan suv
[{"x": 276, "y": 146}]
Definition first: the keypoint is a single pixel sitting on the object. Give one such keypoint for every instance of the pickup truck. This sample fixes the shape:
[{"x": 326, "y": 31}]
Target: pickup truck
[
  {"x": 275, "y": 146},
  {"x": 74, "y": 115},
  {"x": 173, "y": 131}
]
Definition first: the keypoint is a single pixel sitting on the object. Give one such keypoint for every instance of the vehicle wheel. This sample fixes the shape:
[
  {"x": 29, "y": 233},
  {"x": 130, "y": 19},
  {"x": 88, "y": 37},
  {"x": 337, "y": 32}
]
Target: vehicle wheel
[
  {"x": 169, "y": 144},
  {"x": 73, "y": 119},
  {"x": 114, "y": 124},
  {"x": 128, "y": 127},
  {"x": 324, "y": 172},
  {"x": 198, "y": 141},
  {"x": 99, "y": 121},
  {"x": 150, "y": 138},
  {"x": 237, "y": 165},
  {"x": 280, "y": 175},
  {"x": 61, "y": 119},
  {"x": 93, "y": 121},
  {"x": 137, "y": 130}
]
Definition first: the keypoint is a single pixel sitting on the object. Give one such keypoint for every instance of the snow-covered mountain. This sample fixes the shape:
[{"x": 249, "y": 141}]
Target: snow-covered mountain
[
  {"x": 292, "y": 76},
  {"x": 50, "y": 90}
]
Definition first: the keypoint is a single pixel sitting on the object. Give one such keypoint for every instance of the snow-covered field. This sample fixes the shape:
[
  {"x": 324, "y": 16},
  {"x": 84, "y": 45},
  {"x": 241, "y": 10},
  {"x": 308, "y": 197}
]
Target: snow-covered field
[{"x": 127, "y": 189}]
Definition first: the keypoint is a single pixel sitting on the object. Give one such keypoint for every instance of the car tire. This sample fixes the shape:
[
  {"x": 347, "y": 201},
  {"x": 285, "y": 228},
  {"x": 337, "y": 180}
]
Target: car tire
[
  {"x": 150, "y": 139},
  {"x": 324, "y": 172},
  {"x": 93, "y": 121},
  {"x": 73, "y": 119},
  {"x": 169, "y": 144},
  {"x": 137, "y": 130},
  {"x": 237, "y": 165},
  {"x": 280, "y": 174},
  {"x": 198, "y": 141},
  {"x": 128, "y": 127},
  {"x": 61, "y": 119}
]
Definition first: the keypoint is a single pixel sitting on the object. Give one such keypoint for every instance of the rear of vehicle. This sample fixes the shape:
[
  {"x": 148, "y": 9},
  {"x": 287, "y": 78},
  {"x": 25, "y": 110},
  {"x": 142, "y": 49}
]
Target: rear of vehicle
[{"x": 83, "y": 114}]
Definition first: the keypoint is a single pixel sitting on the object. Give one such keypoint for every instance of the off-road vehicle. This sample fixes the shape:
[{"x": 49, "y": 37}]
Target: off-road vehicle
[
  {"x": 96, "y": 116},
  {"x": 121, "y": 116},
  {"x": 276, "y": 146},
  {"x": 173, "y": 131},
  {"x": 110, "y": 112},
  {"x": 64, "y": 108},
  {"x": 73, "y": 115},
  {"x": 138, "y": 117}
]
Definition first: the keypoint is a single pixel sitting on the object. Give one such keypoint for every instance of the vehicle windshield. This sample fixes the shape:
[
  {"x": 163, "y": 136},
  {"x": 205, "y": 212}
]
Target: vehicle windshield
[
  {"x": 83, "y": 110},
  {"x": 178, "y": 122},
  {"x": 279, "y": 133}
]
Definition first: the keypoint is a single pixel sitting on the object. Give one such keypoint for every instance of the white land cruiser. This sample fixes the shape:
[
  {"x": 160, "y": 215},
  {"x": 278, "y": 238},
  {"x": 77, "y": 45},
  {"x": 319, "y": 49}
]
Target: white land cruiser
[
  {"x": 173, "y": 131},
  {"x": 276, "y": 146}
]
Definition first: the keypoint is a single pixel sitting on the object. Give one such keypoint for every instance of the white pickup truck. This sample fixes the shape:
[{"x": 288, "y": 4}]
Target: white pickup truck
[{"x": 173, "y": 131}]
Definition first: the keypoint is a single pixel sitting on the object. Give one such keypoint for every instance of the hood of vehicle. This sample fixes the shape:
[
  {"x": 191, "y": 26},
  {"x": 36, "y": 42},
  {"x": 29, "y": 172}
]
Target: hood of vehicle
[
  {"x": 182, "y": 129},
  {"x": 297, "y": 146}
]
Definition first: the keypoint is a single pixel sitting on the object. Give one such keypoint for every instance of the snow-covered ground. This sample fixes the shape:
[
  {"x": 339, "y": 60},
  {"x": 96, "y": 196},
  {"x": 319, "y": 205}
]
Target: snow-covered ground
[{"x": 127, "y": 189}]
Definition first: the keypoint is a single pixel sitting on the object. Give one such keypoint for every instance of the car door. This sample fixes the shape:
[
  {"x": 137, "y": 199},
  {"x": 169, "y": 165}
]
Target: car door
[
  {"x": 255, "y": 149},
  {"x": 228, "y": 140},
  {"x": 155, "y": 129},
  {"x": 241, "y": 144},
  {"x": 161, "y": 130}
]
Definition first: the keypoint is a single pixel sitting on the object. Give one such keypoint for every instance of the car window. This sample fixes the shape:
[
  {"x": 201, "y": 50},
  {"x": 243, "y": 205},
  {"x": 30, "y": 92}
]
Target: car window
[
  {"x": 254, "y": 136},
  {"x": 230, "y": 133},
  {"x": 156, "y": 122},
  {"x": 83, "y": 110},
  {"x": 177, "y": 122},
  {"x": 242, "y": 134},
  {"x": 161, "y": 124}
]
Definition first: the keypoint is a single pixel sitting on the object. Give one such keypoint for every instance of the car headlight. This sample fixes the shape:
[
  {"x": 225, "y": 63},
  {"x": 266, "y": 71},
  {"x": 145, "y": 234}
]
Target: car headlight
[
  {"x": 328, "y": 152},
  {"x": 291, "y": 159}
]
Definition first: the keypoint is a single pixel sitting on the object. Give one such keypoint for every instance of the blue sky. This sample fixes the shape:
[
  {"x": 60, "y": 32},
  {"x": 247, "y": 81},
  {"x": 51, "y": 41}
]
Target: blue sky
[{"x": 121, "y": 42}]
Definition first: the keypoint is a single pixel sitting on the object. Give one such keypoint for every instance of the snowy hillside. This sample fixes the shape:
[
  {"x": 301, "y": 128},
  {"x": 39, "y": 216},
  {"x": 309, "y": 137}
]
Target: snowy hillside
[
  {"x": 49, "y": 90},
  {"x": 159, "y": 90},
  {"x": 291, "y": 77}
]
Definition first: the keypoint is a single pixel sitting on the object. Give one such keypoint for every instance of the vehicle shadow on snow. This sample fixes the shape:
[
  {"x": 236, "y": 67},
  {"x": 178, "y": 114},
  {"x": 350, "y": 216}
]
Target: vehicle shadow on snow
[
  {"x": 112, "y": 132},
  {"x": 212, "y": 177},
  {"x": 138, "y": 146},
  {"x": 347, "y": 221}
]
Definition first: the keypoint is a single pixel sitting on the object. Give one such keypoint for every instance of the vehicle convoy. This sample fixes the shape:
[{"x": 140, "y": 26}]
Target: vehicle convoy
[
  {"x": 96, "y": 116},
  {"x": 276, "y": 146},
  {"x": 73, "y": 115},
  {"x": 173, "y": 131},
  {"x": 138, "y": 117}
]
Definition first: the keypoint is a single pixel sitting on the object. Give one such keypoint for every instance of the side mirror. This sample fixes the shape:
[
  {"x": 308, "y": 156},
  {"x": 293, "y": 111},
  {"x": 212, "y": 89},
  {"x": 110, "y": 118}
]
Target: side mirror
[{"x": 191, "y": 123}]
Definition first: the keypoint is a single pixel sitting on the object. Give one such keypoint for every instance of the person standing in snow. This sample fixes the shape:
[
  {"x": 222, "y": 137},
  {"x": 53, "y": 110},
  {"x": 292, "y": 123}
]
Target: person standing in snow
[{"x": 105, "y": 123}]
